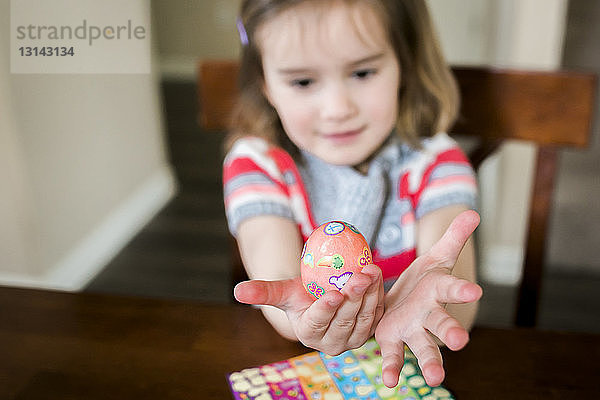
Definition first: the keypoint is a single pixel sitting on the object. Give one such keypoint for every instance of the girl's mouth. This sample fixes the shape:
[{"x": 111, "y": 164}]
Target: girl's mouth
[{"x": 344, "y": 136}]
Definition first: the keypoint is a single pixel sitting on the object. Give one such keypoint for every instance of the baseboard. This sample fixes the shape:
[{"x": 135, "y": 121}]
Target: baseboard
[
  {"x": 501, "y": 265},
  {"x": 95, "y": 251},
  {"x": 178, "y": 69}
]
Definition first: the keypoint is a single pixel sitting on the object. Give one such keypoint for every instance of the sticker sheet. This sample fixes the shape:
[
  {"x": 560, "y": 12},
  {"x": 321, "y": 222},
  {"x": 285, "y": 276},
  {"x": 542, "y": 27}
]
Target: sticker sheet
[{"x": 352, "y": 375}]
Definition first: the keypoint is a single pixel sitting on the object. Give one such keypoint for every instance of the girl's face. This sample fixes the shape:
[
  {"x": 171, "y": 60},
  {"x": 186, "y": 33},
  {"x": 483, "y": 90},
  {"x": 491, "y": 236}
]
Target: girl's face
[{"x": 333, "y": 77}]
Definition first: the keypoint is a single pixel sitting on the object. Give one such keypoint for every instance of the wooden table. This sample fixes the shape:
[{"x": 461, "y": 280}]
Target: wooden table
[{"x": 81, "y": 346}]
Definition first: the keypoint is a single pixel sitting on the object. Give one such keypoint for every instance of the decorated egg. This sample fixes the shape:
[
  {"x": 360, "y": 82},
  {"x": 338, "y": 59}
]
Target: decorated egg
[{"x": 332, "y": 253}]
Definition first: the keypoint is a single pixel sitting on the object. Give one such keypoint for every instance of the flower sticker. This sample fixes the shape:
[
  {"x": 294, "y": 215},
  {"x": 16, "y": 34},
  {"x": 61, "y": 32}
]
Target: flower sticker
[
  {"x": 315, "y": 289},
  {"x": 365, "y": 257}
]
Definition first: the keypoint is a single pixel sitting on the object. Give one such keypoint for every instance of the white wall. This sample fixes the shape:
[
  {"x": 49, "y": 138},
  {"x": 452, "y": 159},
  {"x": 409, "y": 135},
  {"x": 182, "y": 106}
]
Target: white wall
[
  {"x": 189, "y": 30},
  {"x": 524, "y": 34},
  {"x": 83, "y": 169},
  {"x": 575, "y": 228},
  {"x": 15, "y": 207},
  {"x": 465, "y": 29}
]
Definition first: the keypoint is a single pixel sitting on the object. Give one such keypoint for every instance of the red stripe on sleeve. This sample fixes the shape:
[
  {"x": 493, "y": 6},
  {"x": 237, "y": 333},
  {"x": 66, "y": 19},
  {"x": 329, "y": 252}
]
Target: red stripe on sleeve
[
  {"x": 244, "y": 165},
  {"x": 393, "y": 266},
  {"x": 454, "y": 155},
  {"x": 240, "y": 166}
]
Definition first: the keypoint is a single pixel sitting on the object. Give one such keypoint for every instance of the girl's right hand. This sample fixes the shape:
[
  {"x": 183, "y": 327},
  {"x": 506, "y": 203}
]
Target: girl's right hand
[{"x": 337, "y": 321}]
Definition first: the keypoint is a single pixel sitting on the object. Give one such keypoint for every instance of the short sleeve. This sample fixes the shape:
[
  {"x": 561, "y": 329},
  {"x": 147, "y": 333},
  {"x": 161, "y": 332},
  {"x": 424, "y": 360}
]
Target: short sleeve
[
  {"x": 447, "y": 178},
  {"x": 253, "y": 185}
]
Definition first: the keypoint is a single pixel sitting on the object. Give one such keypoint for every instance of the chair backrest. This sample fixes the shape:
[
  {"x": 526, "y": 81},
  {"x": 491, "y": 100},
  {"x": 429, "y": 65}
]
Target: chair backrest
[
  {"x": 217, "y": 90},
  {"x": 553, "y": 109},
  {"x": 549, "y": 108}
]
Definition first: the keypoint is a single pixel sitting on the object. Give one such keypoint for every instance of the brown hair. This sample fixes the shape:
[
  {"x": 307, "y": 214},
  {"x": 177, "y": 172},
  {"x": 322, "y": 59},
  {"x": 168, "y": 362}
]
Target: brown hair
[{"x": 428, "y": 98}]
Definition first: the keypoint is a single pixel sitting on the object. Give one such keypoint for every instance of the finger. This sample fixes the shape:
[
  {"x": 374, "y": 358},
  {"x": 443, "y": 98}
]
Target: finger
[
  {"x": 316, "y": 319},
  {"x": 381, "y": 302},
  {"x": 371, "y": 308},
  {"x": 273, "y": 293},
  {"x": 392, "y": 354},
  {"x": 447, "y": 329},
  {"x": 344, "y": 321},
  {"x": 447, "y": 249},
  {"x": 450, "y": 289},
  {"x": 428, "y": 355}
]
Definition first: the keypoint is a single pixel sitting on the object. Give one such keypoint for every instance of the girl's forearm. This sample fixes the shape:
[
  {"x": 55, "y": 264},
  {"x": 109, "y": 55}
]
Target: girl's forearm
[{"x": 270, "y": 247}]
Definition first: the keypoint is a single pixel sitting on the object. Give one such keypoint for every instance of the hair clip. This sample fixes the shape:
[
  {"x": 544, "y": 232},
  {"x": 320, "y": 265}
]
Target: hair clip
[{"x": 242, "y": 31}]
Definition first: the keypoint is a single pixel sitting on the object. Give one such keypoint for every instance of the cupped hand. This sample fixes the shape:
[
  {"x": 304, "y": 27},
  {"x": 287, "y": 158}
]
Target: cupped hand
[
  {"x": 334, "y": 323},
  {"x": 415, "y": 307}
]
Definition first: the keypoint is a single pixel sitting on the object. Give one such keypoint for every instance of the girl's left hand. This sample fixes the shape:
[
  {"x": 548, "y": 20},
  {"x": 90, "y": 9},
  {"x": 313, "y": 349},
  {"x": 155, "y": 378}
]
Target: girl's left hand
[{"x": 415, "y": 307}]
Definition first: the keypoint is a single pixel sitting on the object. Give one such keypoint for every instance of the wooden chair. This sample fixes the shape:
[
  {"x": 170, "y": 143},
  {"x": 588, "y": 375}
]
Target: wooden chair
[{"x": 551, "y": 109}]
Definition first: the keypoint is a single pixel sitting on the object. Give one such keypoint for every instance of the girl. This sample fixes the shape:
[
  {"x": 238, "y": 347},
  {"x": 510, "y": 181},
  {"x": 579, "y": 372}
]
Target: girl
[{"x": 341, "y": 115}]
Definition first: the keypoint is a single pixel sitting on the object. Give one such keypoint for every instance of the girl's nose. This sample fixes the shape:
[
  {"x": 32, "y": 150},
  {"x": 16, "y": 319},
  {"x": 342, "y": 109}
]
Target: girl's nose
[{"x": 338, "y": 104}]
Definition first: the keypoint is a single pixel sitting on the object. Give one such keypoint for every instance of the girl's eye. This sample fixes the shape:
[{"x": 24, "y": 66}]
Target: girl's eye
[
  {"x": 302, "y": 83},
  {"x": 364, "y": 73}
]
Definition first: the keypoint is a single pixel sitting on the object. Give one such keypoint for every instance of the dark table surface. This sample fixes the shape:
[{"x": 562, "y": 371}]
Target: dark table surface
[{"x": 81, "y": 346}]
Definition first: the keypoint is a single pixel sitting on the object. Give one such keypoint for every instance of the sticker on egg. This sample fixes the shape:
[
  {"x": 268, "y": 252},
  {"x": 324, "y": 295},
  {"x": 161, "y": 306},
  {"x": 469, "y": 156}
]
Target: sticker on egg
[{"x": 332, "y": 253}]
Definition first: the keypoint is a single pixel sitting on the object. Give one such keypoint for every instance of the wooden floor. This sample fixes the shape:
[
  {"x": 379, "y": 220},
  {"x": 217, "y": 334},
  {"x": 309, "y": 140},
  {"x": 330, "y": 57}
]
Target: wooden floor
[{"x": 183, "y": 252}]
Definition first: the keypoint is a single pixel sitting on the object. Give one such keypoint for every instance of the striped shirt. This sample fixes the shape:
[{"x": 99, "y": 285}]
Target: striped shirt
[{"x": 402, "y": 185}]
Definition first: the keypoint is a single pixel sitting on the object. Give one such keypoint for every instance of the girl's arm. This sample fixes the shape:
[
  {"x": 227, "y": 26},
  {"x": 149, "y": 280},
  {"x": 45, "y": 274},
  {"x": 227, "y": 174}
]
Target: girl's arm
[{"x": 270, "y": 247}]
